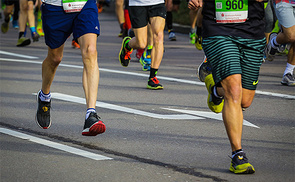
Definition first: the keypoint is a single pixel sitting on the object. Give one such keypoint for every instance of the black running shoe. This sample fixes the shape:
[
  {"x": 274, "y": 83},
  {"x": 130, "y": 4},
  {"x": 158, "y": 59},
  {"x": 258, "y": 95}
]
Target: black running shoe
[
  {"x": 240, "y": 164},
  {"x": 43, "y": 113},
  {"x": 124, "y": 55},
  {"x": 93, "y": 125},
  {"x": 154, "y": 84}
]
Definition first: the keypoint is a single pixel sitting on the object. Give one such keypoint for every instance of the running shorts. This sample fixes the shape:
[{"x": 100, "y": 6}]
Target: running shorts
[
  {"x": 285, "y": 13},
  {"x": 233, "y": 55},
  {"x": 140, "y": 15},
  {"x": 58, "y": 25}
]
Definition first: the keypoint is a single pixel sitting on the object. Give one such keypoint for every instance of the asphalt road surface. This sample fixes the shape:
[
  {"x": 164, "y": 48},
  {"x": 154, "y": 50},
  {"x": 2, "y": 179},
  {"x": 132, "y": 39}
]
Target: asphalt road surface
[{"x": 151, "y": 136}]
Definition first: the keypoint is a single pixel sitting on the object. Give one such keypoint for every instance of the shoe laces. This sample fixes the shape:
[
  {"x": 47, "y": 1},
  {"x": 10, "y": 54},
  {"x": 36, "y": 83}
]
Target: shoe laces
[
  {"x": 155, "y": 80},
  {"x": 127, "y": 54}
]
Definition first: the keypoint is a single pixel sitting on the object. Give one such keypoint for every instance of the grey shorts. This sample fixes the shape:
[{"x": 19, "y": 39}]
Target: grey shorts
[{"x": 285, "y": 13}]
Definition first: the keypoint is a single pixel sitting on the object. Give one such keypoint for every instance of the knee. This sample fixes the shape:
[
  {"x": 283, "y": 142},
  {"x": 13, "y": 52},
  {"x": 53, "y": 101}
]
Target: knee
[
  {"x": 233, "y": 93},
  {"x": 141, "y": 44},
  {"x": 89, "y": 52},
  {"x": 158, "y": 37}
]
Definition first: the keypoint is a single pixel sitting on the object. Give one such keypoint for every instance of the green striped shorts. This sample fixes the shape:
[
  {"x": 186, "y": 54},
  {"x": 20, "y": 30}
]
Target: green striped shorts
[{"x": 234, "y": 55}]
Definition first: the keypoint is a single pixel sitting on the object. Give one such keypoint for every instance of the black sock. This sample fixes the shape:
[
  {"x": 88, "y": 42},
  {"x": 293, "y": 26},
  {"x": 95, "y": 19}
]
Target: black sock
[
  {"x": 20, "y": 34},
  {"x": 153, "y": 73},
  {"x": 199, "y": 31}
]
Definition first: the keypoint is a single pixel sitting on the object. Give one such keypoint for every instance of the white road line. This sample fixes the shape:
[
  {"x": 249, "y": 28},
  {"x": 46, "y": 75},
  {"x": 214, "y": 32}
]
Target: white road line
[
  {"x": 80, "y": 100},
  {"x": 210, "y": 115},
  {"x": 18, "y": 55},
  {"x": 55, "y": 145},
  {"x": 145, "y": 75}
]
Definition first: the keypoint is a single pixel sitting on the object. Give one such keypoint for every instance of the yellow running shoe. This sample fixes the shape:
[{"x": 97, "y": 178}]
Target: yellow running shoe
[
  {"x": 198, "y": 42},
  {"x": 240, "y": 164},
  {"x": 214, "y": 103}
]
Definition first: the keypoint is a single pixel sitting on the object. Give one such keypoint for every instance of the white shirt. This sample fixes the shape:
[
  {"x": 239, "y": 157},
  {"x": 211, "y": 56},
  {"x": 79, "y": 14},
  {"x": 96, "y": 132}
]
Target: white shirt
[
  {"x": 53, "y": 2},
  {"x": 145, "y": 2}
]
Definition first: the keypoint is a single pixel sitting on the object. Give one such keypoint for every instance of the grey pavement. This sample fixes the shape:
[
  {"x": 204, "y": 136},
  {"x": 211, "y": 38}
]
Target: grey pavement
[{"x": 152, "y": 136}]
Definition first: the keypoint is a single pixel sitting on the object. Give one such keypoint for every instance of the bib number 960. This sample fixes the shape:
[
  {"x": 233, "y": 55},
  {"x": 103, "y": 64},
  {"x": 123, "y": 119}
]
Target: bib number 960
[{"x": 234, "y": 4}]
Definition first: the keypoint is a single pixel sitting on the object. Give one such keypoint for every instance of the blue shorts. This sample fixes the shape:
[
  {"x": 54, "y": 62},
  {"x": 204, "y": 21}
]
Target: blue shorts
[{"x": 58, "y": 25}]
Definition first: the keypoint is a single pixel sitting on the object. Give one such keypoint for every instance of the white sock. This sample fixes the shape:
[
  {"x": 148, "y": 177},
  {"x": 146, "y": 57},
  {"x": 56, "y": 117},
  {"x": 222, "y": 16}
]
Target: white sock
[
  {"x": 274, "y": 42},
  {"x": 44, "y": 97},
  {"x": 289, "y": 69},
  {"x": 90, "y": 110},
  {"x": 215, "y": 92}
]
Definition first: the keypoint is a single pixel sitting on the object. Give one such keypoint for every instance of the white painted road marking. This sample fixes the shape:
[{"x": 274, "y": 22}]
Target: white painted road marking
[
  {"x": 18, "y": 55},
  {"x": 80, "y": 100},
  {"x": 196, "y": 114},
  {"x": 145, "y": 75},
  {"x": 55, "y": 145},
  {"x": 210, "y": 115}
]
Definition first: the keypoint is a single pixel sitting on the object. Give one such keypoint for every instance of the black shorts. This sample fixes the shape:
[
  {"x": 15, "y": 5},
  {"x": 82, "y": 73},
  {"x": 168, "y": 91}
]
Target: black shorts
[
  {"x": 140, "y": 15},
  {"x": 11, "y": 2}
]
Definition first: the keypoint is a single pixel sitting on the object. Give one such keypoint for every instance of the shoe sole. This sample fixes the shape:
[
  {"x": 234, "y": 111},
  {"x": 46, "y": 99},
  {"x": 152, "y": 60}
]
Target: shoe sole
[
  {"x": 95, "y": 129},
  {"x": 155, "y": 88},
  {"x": 248, "y": 170},
  {"x": 36, "y": 116}
]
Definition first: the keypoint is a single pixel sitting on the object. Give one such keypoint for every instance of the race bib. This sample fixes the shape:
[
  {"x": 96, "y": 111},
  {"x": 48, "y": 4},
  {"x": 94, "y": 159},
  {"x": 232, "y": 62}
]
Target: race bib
[
  {"x": 231, "y": 11},
  {"x": 71, "y": 6}
]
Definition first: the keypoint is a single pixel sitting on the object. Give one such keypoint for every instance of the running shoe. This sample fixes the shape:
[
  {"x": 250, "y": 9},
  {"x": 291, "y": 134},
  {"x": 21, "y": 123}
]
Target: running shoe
[
  {"x": 145, "y": 60},
  {"x": 288, "y": 80},
  {"x": 192, "y": 37},
  {"x": 204, "y": 70},
  {"x": 43, "y": 113},
  {"x": 269, "y": 51},
  {"x": 154, "y": 84},
  {"x": 40, "y": 31},
  {"x": 35, "y": 36},
  {"x": 15, "y": 24},
  {"x": 214, "y": 103},
  {"x": 240, "y": 164},
  {"x": 124, "y": 55},
  {"x": 4, "y": 27},
  {"x": 198, "y": 42},
  {"x": 93, "y": 125},
  {"x": 172, "y": 35},
  {"x": 75, "y": 45},
  {"x": 23, "y": 41}
]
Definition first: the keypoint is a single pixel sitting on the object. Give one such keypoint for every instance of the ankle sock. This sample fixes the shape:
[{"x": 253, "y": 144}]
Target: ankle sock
[
  {"x": 89, "y": 110},
  {"x": 215, "y": 93},
  {"x": 236, "y": 152},
  {"x": 289, "y": 69},
  {"x": 274, "y": 43},
  {"x": 45, "y": 97}
]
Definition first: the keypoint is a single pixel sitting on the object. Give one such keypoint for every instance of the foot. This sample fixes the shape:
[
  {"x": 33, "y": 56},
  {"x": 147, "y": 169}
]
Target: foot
[
  {"x": 269, "y": 51},
  {"x": 75, "y": 45},
  {"x": 214, "y": 103},
  {"x": 4, "y": 27},
  {"x": 124, "y": 55},
  {"x": 43, "y": 113},
  {"x": 93, "y": 125},
  {"x": 240, "y": 164},
  {"x": 288, "y": 80},
  {"x": 23, "y": 41},
  {"x": 204, "y": 70},
  {"x": 154, "y": 84},
  {"x": 172, "y": 36}
]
